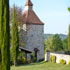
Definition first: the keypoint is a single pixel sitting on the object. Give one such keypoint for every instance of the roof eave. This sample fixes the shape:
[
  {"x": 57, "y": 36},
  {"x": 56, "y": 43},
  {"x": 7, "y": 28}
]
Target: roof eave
[{"x": 35, "y": 23}]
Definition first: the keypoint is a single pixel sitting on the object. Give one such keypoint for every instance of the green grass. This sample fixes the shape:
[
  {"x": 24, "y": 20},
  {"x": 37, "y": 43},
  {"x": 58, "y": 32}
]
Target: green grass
[{"x": 42, "y": 66}]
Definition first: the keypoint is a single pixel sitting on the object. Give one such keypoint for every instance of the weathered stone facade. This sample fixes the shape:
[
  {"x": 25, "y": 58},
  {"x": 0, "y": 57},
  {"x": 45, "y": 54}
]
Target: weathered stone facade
[
  {"x": 34, "y": 39},
  {"x": 32, "y": 32}
]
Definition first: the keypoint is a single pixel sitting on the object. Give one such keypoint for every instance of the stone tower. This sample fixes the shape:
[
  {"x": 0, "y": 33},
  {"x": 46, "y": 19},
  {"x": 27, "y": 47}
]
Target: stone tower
[{"x": 34, "y": 38}]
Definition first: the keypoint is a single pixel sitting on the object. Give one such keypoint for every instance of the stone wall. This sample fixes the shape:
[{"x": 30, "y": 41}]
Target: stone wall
[
  {"x": 34, "y": 39},
  {"x": 58, "y": 57}
]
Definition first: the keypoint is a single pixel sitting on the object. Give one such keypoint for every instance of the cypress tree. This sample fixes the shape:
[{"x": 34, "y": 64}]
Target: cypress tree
[
  {"x": 15, "y": 38},
  {"x": 69, "y": 39},
  {"x": 1, "y": 33},
  {"x": 4, "y": 35}
]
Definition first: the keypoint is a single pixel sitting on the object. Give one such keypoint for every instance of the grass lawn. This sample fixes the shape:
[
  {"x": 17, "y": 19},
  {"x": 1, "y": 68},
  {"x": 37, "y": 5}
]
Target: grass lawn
[{"x": 42, "y": 66}]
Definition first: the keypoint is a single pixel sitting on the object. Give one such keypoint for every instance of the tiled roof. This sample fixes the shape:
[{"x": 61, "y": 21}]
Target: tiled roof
[
  {"x": 31, "y": 17},
  {"x": 28, "y": 3}
]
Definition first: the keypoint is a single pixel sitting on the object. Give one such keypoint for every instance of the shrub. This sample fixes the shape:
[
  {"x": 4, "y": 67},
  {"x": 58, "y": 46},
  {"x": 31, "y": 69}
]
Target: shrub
[
  {"x": 33, "y": 58},
  {"x": 62, "y": 61},
  {"x": 24, "y": 60},
  {"x": 69, "y": 63},
  {"x": 29, "y": 60},
  {"x": 21, "y": 58},
  {"x": 53, "y": 58}
]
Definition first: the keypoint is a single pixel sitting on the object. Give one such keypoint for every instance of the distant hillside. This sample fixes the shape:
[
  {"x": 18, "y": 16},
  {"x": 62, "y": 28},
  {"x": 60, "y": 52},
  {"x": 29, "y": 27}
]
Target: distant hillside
[{"x": 62, "y": 36}]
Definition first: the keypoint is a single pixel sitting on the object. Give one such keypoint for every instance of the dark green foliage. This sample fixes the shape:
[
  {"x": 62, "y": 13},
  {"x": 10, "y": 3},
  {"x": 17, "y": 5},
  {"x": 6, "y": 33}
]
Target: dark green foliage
[
  {"x": 62, "y": 61},
  {"x": 4, "y": 35},
  {"x": 49, "y": 43},
  {"x": 69, "y": 39},
  {"x": 65, "y": 44},
  {"x": 54, "y": 43},
  {"x": 1, "y": 33},
  {"x": 11, "y": 57},
  {"x": 15, "y": 38},
  {"x": 69, "y": 9},
  {"x": 53, "y": 58},
  {"x": 58, "y": 45},
  {"x": 21, "y": 57},
  {"x": 0, "y": 60},
  {"x": 33, "y": 58}
]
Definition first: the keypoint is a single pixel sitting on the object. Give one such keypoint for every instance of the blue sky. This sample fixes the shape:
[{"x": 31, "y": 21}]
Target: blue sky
[{"x": 53, "y": 13}]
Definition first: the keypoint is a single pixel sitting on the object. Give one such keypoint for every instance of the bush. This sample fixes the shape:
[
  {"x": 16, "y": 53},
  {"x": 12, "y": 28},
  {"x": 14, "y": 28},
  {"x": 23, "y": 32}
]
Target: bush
[
  {"x": 53, "y": 58},
  {"x": 20, "y": 55},
  {"x": 62, "y": 61},
  {"x": 33, "y": 58},
  {"x": 21, "y": 58},
  {"x": 24, "y": 60},
  {"x": 29, "y": 60},
  {"x": 69, "y": 63}
]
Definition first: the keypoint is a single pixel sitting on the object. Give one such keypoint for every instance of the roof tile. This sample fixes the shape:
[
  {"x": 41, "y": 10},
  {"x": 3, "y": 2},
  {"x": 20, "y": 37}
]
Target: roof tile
[{"x": 31, "y": 17}]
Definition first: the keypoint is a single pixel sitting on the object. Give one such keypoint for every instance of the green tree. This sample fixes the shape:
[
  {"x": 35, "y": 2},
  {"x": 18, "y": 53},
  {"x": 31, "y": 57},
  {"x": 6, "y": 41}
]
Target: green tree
[
  {"x": 15, "y": 38},
  {"x": 58, "y": 45},
  {"x": 4, "y": 35},
  {"x": 1, "y": 33},
  {"x": 54, "y": 43},
  {"x": 69, "y": 9},
  {"x": 49, "y": 43},
  {"x": 65, "y": 44},
  {"x": 69, "y": 39}
]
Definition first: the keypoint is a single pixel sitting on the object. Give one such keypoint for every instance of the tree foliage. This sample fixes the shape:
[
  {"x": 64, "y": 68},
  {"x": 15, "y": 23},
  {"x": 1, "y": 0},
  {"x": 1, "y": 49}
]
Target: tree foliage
[
  {"x": 65, "y": 44},
  {"x": 69, "y": 9},
  {"x": 69, "y": 39},
  {"x": 1, "y": 33},
  {"x": 4, "y": 35},
  {"x": 57, "y": 43},
  {"x": 49, "y": 43},
  {"x": 54, "y": 43},
  {"x": 15, "y": 38}
]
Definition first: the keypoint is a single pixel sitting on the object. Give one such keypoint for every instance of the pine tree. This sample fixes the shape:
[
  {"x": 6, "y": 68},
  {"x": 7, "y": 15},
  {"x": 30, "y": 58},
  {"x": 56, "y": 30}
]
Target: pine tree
[
  {"x": 15, "y": 38},
  {"x": 69, "y": 39},
  {"x": 4, "y": 35}
]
